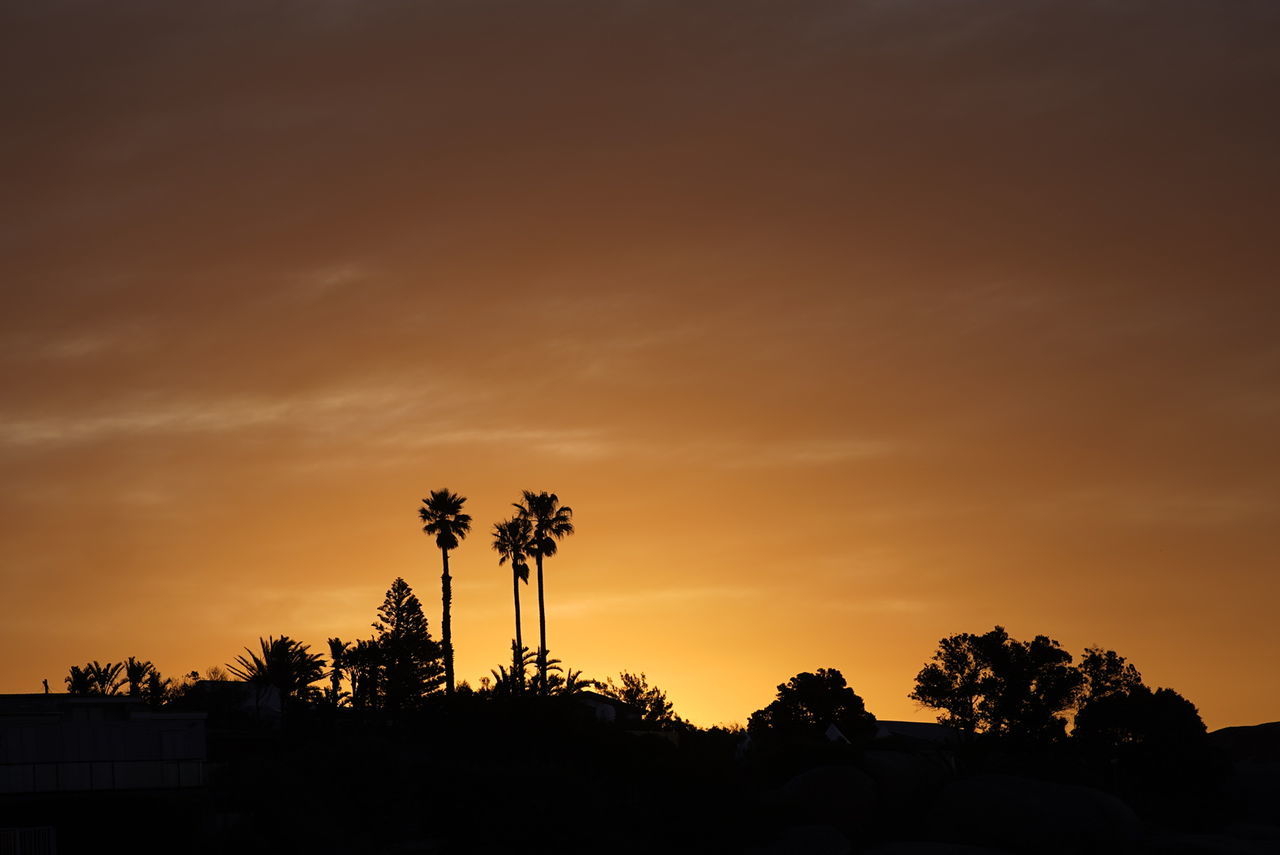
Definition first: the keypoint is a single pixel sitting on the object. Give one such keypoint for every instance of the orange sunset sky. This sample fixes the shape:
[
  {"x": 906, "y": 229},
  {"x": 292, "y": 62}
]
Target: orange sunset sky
[{"x": 842, "y": 326}]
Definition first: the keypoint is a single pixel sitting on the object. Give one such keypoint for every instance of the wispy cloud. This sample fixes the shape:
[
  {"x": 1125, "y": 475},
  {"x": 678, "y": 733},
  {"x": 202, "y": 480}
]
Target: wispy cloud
[
  {"x": 877, "y": 605},
  {"x": 1153, "y": 506},
  {"x": 195, "y": 416},
  {"x": 591, "y": 605},
  {"x": 802, "y": 452}
]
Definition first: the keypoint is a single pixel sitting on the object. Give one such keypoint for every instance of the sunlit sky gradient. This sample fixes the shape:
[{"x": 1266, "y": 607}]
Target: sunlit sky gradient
[{"x": 842, "y": 326}]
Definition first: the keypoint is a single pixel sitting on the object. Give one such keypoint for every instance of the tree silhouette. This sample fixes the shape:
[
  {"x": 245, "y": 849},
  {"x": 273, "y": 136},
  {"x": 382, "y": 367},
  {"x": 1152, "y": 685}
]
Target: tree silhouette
[
  {"x": 1106, "y": 673},
  {"x": 551, "y": 522},
  {"x": 410, "y": 667},
  {"x": 105, "y": 677},
  {"x": 634, "y": 689},
  {"x": 1153, "y": 749},
  {"x": 337, "y": 664},
  {"x": 443, "y": 517},
  {"x": 286, "y": 664},
  {"x": 994, "y": 684},
  {"x": 510, "y": 682},
  {"x": 364, "y": 671},
  {"x": 157, "y": 690},
  {"x": 1162, "y": 719},
  {"x": 513, "y": 540},
  {"x": 565, "y": 681},
  {"x": 808, "y": 703},
  {"x": 135, "y": 674},
  {"x": 79, "y": 682}
]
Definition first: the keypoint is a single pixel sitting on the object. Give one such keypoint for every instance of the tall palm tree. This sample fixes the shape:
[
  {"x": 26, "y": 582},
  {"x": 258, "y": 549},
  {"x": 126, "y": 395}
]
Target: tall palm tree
[
  {"x": 443, "y": 517},
  {"x": 512, "y": 540},
  {"x": 551, "y": 522}
]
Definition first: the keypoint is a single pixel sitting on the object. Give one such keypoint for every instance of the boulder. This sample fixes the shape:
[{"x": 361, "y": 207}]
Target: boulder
[
  {"x": 1029, "y": 816},
  {"x": 842, "y": 795},
  {"x": 1207, "y": 844},
  {"x": 1254, "y": 790},
  {"x": 906, "y": 780},
  {"x": 806, "y": 840}
]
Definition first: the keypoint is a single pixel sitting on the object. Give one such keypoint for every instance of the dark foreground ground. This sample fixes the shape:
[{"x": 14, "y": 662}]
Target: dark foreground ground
[{"x": 546, "y": 777}]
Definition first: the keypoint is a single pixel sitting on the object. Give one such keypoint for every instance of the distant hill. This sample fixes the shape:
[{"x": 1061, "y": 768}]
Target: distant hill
[{"x": 1256, "y": 742}]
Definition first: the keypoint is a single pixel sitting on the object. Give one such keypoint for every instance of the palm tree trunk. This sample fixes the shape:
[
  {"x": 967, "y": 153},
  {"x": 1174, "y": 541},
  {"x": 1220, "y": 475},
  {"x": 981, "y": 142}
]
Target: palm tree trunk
[
  {"x": 542, "y": 631},
  {"x": 515, "y": 584},
  {"x": 446, "y": 625}
]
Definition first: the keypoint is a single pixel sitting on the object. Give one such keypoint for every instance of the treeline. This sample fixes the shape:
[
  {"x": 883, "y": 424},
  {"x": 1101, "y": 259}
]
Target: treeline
[{"x": 399, "y": 669}]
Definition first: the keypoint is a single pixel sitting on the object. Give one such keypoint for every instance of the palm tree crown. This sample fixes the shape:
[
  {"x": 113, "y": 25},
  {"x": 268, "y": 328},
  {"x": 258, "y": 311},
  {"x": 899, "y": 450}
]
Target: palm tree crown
[
  {"x": 443, "y": 517},
  {"x": 286, "y": 664},
  {"x": 551, "y": 521},
  {"x": 513, "y": 541}
]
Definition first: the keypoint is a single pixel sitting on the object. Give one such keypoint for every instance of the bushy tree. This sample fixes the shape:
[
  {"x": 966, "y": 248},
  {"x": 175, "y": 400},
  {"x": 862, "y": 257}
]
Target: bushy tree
[
  {"x": 1117, "y": 709},
  {"x": 1160, "y": 720},
  {"x": 634, "y": 689},
  {"x": 808, "y": 703},
  {"x": 995, "y": 684},
  {"x": 1105, "y": 673}
]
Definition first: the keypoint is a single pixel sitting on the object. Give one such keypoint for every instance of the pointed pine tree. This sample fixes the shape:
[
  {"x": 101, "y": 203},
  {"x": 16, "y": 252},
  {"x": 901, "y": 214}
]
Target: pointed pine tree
[{"x": 410, "y": 658}]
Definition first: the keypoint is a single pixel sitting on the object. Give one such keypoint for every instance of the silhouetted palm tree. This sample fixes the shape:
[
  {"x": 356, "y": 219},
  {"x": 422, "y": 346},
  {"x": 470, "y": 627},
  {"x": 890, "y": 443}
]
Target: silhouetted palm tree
[
  {"x": 508, "y": 682},
  {"x": 135, "y": 674},
  {"x": 365, "y": 662},
  {"x": 550, "y": 522},
  {"x": 512, "y": 540},
  {"x": 157, "y": 688},
  {"x": 286, "y": 664},
  {"x": 567, "y": 682},
  {"x": 79, "y": 682},
  {"x": 337, "y": 662},
  {"x": 106, "y": 678},
  {"x": 442, "y": 513}
]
